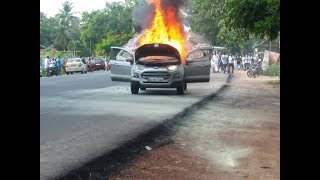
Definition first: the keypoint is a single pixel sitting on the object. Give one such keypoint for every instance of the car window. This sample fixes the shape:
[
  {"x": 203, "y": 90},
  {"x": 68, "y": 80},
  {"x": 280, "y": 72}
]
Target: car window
[
  {"x": 74, "y": 60},
  {"x": 197, "y": 55},
  {"x": 98, "y": 60},
  {"x": 125, "y": 54}
]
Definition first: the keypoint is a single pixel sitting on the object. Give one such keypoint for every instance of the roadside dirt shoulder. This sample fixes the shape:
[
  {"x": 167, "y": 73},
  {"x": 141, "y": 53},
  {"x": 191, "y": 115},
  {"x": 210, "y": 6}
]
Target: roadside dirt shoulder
[{"x": 235, "y": 136}]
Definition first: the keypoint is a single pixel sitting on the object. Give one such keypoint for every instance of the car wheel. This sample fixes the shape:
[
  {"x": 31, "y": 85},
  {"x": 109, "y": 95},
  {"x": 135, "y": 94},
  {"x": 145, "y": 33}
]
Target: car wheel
[
  {"x": 134, "y": 88},
  {"x": 82, "y": 71},
  {"x": 180, "y": 89},
  {"x": 185, "y": 86},
  {"x": 143, "y": 88},
  {"x": 71, "y": 73},
  {"x": 67, "y": 73}
]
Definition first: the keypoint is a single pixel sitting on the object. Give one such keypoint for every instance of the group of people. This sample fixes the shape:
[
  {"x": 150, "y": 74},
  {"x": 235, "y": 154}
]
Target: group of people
[
  {"x": 227, "y": 63},
  {"x": 53, "y": 65}
]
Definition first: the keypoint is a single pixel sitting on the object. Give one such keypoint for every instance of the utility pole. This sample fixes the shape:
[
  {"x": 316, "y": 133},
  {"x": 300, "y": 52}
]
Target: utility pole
[
  {"x": 90, "y": 47},
  {"x": 74, "y": 48}
]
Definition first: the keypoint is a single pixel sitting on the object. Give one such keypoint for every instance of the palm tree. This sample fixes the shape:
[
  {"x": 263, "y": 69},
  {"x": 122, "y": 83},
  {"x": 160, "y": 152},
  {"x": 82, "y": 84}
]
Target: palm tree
[{"x": 65, "y": 21}]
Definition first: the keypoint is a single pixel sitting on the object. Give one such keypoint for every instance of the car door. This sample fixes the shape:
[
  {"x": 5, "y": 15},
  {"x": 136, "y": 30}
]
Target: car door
[
  {"x": 197, "y": 66},
  {"x": 121, "y": 61}
]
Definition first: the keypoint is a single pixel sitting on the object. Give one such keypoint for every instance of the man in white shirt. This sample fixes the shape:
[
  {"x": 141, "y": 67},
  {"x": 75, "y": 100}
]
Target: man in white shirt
[
  {"x": 47, "y": 65},
  {"x": 214, "y": 62},
  {"x": 231, "y": 64},
  {"x": 224, "y": 59}
]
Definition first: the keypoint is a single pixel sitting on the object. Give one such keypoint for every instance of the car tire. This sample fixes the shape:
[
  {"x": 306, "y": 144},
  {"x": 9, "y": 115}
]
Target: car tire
[
  {"x": 143, "y": 88},
  {"x": 67, "y": 73},
  {"x": 71, "y": 73},
  {"x": 180, "y": 89},
  {"x": 185, "y": 86},
  {"x": 134, "y": 88}
]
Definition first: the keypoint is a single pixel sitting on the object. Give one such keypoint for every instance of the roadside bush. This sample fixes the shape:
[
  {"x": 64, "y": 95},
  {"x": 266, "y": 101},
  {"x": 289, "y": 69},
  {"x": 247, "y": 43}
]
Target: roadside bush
[{"x": 273, "y": 70}]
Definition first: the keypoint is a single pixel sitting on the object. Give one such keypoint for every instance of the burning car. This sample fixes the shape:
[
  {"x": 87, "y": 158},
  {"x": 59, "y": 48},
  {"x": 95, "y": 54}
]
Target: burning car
[{"x": 160, "y": 66}]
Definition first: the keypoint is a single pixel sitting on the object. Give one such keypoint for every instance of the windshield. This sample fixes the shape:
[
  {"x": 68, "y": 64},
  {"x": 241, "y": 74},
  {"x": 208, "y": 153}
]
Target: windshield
[
  {"x": 98, "y": 60},
  {"x": 158, "y": 60},
  {"x": 74, "y": 60}
]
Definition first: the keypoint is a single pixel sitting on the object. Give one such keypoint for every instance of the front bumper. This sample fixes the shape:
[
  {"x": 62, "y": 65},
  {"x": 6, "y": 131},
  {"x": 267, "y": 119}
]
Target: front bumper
[
  {"x": 169, "y": 79},
  {"x": 74, "y": 69},
  {"x": 173, "y": 84}
]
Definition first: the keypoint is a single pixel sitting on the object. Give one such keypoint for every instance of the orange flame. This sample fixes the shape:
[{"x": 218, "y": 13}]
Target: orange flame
[{"x": 165, "y": 28}]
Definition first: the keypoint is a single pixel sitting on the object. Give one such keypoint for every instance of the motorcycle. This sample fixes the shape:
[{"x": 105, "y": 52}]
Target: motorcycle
[
  {"x": 53, "y": 70},
  {"x": 255, "y": 70}
]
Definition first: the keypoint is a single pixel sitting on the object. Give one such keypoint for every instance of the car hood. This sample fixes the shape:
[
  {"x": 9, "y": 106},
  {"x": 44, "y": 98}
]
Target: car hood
[{"x": 156, "y": 50}]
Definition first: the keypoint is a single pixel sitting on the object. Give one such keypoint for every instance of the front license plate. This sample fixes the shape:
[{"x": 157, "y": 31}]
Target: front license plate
[{"x": 155, "y": 79}]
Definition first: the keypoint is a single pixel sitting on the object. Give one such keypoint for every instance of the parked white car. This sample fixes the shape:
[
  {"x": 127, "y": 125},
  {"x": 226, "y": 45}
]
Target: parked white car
[{"x": 75, "y": 65}]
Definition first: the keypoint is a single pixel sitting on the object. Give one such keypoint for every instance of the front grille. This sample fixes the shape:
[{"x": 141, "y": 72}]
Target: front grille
[{"x": 164, "y": 75}]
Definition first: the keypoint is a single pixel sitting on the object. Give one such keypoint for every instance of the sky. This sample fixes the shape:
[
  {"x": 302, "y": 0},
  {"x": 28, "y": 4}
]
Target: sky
[{"x": 51, "y": 7}]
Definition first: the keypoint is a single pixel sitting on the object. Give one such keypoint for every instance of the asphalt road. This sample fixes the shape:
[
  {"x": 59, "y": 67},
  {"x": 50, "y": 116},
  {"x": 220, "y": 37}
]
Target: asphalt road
[{"x": 83, "y": 116}]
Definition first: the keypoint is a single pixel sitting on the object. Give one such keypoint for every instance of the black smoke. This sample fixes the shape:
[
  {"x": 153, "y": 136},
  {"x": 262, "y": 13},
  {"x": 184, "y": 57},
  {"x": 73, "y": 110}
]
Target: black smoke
[
  {"x": 144, "y": 14},
  {"x": 176, "y": 4}
]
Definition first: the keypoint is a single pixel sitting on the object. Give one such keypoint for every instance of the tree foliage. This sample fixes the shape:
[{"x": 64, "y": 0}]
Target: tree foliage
[
  {"x": 259, "y": 17},
  {"x": 204, "y": 17},
  {"x": 235, "y": 24},
  {"x": 66, "y": 27}
]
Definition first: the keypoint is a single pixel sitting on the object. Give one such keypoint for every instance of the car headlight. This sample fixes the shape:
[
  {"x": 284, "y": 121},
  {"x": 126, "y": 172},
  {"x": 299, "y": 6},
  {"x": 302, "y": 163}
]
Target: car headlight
[
  {"x": 172, "y": 68},
  {"x": 140, "y": 67},
  {"x": 136, "y": 75}
]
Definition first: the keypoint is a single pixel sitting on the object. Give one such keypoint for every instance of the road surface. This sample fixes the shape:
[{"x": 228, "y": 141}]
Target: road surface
[{"x": 83, "y": 116}]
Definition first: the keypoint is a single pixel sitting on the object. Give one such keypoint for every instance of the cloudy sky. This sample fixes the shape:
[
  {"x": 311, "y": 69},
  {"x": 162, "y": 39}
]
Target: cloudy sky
[{"x": 51, "y": 7}]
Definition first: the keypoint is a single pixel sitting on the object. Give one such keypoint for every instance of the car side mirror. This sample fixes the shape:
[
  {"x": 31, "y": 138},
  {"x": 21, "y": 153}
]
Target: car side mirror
[
  {"x": 188, "y": 60},
  {"x": 129, "y": 60}
]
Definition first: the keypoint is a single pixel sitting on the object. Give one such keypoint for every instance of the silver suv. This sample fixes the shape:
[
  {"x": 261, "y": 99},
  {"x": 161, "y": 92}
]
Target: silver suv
[{"x": 159, "y": 66}]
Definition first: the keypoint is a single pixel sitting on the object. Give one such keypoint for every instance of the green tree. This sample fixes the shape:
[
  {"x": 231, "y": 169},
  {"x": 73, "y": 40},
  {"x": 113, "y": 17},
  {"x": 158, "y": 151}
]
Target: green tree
[
  {"x": 259, "y": 17},
  {"x": 104, "y": 47},
  {"x": 65, "y": 26},
  {"x": 115, "y": 19},
  {"x": 204, "y": 17},
  {"x": 46, "y": 27}
]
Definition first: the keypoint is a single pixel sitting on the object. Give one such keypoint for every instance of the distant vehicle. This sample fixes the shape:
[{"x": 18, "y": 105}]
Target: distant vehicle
[
  {"x": 160, "y": 66},
  {"x": 98, "y": 64},
  {"x": 75, "y": 65}
]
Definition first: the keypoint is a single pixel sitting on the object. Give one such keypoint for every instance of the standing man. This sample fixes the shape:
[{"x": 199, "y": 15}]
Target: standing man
[
  {"x": 231, "y": 63},
  {"x": 47, "y": 65},
  {"x": 224, "y": 59},
  {"x": 59, "y": 65}
]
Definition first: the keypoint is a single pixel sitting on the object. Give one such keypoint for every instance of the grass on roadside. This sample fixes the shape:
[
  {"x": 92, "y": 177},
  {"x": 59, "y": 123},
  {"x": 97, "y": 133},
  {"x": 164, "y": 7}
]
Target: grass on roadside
[
  {"x": 44, "y": 72},
  {"x": 273, "y": 70},
  {"x": 274, "y": 82}
]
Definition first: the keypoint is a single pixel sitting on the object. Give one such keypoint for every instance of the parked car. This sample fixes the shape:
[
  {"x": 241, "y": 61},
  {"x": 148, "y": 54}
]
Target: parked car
[
  {"x": 98, "y": 64},
  {"x": 75, "y": 65},
  {"x": 160, "y": 66}
]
